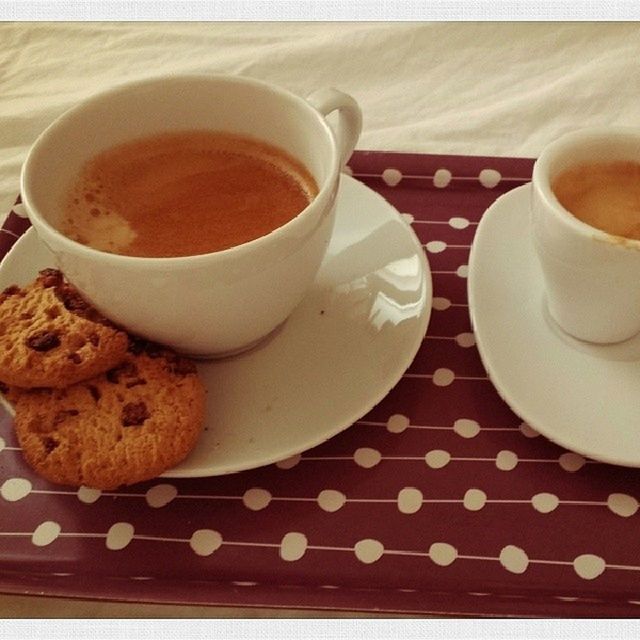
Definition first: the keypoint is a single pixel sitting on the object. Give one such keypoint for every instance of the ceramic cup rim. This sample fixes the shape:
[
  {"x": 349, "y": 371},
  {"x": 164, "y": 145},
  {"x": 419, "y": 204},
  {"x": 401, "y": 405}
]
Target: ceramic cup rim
[
  {"x": 561, "y": 146},
  {"x": 40, "y": 146}
]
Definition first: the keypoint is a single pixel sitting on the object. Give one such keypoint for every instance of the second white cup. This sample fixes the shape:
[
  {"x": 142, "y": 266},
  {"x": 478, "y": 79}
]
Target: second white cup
[{"x": 592, "y": 278}]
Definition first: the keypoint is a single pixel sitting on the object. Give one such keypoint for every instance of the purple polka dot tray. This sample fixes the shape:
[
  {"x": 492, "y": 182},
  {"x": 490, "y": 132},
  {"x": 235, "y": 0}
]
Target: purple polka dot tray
[{"x": 439, "y": 501}]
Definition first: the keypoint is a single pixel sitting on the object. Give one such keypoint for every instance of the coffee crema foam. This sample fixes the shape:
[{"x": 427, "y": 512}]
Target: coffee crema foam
[
  {"x": 604, "y": 195},
  {"x": 187, "y": 193}
]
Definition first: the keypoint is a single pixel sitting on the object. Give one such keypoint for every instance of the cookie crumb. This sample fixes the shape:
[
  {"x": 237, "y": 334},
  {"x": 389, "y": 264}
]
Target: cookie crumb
[{"x": 182, "y": 366}]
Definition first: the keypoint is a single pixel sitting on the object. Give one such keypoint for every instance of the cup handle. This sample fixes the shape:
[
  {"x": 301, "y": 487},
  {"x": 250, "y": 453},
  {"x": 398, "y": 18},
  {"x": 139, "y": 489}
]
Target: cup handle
[{"x": 350, "y": 117}]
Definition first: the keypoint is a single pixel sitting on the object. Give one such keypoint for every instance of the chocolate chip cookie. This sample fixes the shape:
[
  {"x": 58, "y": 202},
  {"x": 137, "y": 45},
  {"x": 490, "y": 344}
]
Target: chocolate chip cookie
[
  {"x": 50, "y": 337},
  {"x": 127, "y": 425}
]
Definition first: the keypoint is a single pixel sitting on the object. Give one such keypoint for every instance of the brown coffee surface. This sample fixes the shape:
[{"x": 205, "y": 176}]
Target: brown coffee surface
[
  {"x": 188, "y": 193},
  {"x": 604, "y": 195}
]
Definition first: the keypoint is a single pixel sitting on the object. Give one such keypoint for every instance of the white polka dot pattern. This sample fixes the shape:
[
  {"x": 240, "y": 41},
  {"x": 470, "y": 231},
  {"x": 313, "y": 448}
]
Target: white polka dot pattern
[
  {"x": 514, "y": 559},
  {"x": 545, "y": 502},
  {"x": 466, "y": 340},
  {"x": 441, "y": 304},
  {"x": 205, "y": 541},
  {"x": 289, "y": 463},
  {"x": 572, "y": 461},
  {"x": 437, "y": 458},
  {"x": 397, "y": 423},
  {"x": 442, "y": 178},
  {"x": 409, "y": 500},
  {"x": 256, "y": 499},
  {"x": 369, "y": 551},
  {"x": 15, "y": 489},
  {"x": 474, "y": 499},
  {"x": 20, "y": 211},
  {"x": 119, "y": 536},
  {"x": 293, "y": 546},
  {"x": 506, "y": 460},
  {"x": 458, "y": 223},
  {"x": 443, "y": 377},
  {"x": 436, "y": 246},
  {"x": 527, "y": 431},
  {"x": 622, "y": 504},
  {"x": 330, "y": 500},
  {"x": 466, "y": 428},
  {"x": 442, "y": 554},
  {"x": 88, "y": 495},
  {"x": 392, "y": 177},
  {"x": 407, "y": 217},
  {"x": 589, "y": 566},
  {"x": 45, "y": 533},
  {"x": 489, "y": 178},
  {"x": 161, "y": 495},
  {"x": 367, "y": 457}
]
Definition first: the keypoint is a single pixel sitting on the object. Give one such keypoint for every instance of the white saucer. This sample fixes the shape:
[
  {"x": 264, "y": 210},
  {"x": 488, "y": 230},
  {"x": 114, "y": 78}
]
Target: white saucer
[
  {"x": 343, "y": 349},
  {"x": 581, "y": 396}
]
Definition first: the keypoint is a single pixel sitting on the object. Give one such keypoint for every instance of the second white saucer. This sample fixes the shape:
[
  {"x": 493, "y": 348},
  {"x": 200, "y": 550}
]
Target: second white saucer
[{"x": 581, "y": 396}]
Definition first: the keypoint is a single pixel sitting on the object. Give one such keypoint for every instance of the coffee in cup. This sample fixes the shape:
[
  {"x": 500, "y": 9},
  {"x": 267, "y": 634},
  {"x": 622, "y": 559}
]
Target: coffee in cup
[
  {"x": 185, "y": 193},
  {"x": 585, "y": 223},
  {"x": 604, "y": 195}
]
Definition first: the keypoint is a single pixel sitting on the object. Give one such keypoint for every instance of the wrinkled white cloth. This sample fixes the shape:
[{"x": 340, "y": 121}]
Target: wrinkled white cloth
[{"x": 462, "y": 88}]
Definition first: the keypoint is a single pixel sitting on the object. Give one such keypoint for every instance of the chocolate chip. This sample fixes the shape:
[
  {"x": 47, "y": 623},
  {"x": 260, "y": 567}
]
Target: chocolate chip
[
  {"x": 182, "y": 366},
  {"x": 127, "y": 369},
  {"x": 71, "y": 299},
  {"x": 50, "y": 444},
  {"x": 12, "y": 290},
  {"x": 94, "y": 391},
  {"x": 134, "y": 413},
  {"x": 4, "y": 388},
  {"x": 63, "y": 414},
  {"x": 75, "y": 303},
  {"x": 76, "y": 358},
  {"x": 43, "y": 341},
  {"x": 94, "y": 339},
  {"x": 136, "y": 345},
  {"x": 50, "y": 277},
  {"x": 154, "y": 350},
  {"x": 139, "y": 345}
]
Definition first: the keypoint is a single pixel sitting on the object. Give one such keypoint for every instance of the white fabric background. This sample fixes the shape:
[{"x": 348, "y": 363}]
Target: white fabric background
[{"x": 463, "y": 88}]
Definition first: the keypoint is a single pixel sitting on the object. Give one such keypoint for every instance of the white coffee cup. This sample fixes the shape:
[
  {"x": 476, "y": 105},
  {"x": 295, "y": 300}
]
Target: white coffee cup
[
  {"x": 213, "y": 304},
  {"x": 592, "y": 278}
]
